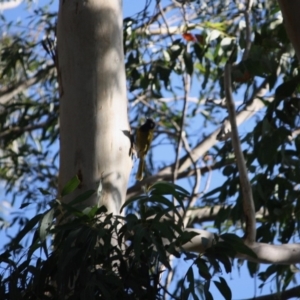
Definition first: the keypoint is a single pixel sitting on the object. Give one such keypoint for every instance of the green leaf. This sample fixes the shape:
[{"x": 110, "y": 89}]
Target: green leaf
[
  {"x": 237, "y": 244},
  {"x": 162, "y": 254},
  {"x": 228, "y": 170},
  {"x": 190, "y": 279},
  {"x": 70, "y": 186},
  {"x": 132, "y": 200},
  {"x": 199, "y": 51},
  {"x": 287, "y": 88},
  {"x": 160, "y": 200},
  {"x": 44, "y": 192},
  {"x": 25, "y": 204},
  {"x": 27, "y": 228},
  {"x": 91, "y": 212},
  {"x": 188, "y": 61},
  {"x": 166, "y": 188},
  {"x": 5, "y": 257},
  {"x": 225, "y": 260},
  {"x": 45, "y": 223},
  {"x": 223, "y": 288},
  {"x": 203, "y": 269},
  {"x": 208, "y": 295},
  {"x": 297, "y": 143},
  {"x": 81, "y": 198},
  {"x": 252, "y": 268},
  {"x": 137, "y": 242}
]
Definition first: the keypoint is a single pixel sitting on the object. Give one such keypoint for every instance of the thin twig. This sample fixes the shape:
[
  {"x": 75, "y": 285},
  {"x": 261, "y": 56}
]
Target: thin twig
[
  {"x": 196, "y": 186},
  {"x": 248, "y": 204},
  {"x": 165, "y": 20},
  {"x": 187, "y": 85},
  {"x": 186, "y": 81},
  {"x": 156, "y": 16}
]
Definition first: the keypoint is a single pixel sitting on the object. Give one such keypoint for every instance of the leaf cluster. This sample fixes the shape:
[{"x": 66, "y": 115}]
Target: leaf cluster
[{"x": 94, "y": 255}]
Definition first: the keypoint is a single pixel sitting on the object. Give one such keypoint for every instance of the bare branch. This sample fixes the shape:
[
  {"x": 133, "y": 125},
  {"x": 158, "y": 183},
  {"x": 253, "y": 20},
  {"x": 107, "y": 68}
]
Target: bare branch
[
  {"x": 163, "y": 30},
  {"x": 248, "y": 204},
  {"x": 285, "y": 254},
  {"x": 209, "y": 213}
]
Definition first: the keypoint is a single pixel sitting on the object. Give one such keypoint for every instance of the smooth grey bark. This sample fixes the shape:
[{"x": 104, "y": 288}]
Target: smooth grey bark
[
  {"x": 284, "y": 254},
  {"x": 94, "y": 129}
]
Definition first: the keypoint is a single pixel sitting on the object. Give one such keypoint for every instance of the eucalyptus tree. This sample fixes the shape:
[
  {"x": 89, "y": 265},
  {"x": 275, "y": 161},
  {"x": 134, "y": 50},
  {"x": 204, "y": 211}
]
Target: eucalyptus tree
[{"x": 199, "y": 69}]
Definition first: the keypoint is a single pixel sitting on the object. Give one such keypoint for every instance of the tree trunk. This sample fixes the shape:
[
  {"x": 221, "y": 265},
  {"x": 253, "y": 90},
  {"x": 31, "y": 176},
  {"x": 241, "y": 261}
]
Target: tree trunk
[
  {"x": 94, "y": 129},
  {"x": 290, "y": 11}
]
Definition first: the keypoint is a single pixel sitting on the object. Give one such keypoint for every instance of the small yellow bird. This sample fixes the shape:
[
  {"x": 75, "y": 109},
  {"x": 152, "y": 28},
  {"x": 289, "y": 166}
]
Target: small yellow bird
[{"x": 144, "y": 137}]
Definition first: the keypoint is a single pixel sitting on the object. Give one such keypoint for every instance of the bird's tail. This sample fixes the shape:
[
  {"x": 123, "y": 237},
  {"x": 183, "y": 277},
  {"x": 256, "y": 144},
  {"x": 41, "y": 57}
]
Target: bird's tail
[{"x": 139, "y": 174}]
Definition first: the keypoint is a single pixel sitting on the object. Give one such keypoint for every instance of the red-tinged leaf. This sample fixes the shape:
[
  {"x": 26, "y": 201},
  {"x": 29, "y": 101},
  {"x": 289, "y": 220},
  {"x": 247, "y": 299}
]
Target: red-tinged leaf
[{"x": 189, "y": 37}]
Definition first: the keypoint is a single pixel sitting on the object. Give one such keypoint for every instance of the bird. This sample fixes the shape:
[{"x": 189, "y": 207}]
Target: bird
[{"x": 144, "y": 138}]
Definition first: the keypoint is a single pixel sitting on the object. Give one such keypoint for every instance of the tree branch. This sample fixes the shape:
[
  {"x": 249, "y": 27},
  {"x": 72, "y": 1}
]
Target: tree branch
[
  {"x": 20, "y": 130},
  {"x": 192, "y": 200},
  {"x": 293, "y": 292},
  {"x": 7, "y": 93},
  {"x": 248, "y": 204},
  {"x": 284, "y": 254},
  {"x": 134, "y": 190},
  {"x": 209, "y": 213},
  {"x": 246, "y": 13},
  {"x": 290, "y": 11}
]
